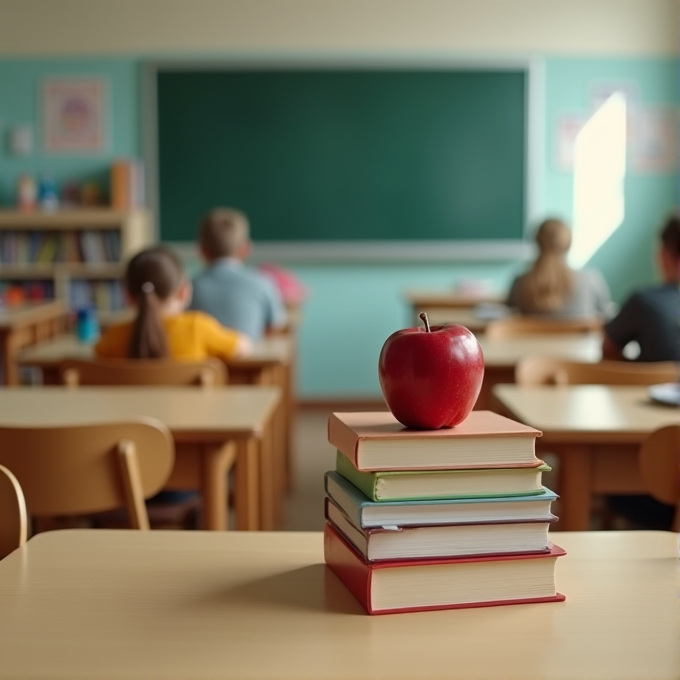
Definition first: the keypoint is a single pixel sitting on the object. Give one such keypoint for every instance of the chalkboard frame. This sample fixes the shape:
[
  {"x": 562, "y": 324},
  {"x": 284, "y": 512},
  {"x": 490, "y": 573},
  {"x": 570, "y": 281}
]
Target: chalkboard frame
[{"x": 366, "y": 251}]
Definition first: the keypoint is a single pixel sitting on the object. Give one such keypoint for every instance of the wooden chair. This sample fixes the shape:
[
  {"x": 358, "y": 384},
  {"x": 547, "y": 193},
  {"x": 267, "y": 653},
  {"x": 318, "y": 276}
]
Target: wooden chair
[
  {"x": 81, "y": 469},
  {"x": 539, "y": 370},
  {"x": 659, "y": 462},
  {"x": 103, "y": 372},
  {"x": 514, "y": 326},
  {"x": 13, "y": 516},
  {"x": 75, "y": 372}
]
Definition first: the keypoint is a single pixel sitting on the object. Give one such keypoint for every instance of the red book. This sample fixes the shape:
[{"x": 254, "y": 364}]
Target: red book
[{"x": 421, "y": 585}]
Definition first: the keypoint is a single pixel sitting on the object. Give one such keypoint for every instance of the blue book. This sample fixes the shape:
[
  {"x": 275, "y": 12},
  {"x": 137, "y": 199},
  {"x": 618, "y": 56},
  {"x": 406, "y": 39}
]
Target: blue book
[{"x": 363, "y": 512}]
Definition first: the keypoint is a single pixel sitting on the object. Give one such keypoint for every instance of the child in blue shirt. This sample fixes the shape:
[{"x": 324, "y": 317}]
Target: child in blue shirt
[{"x": 236, "y": 295}]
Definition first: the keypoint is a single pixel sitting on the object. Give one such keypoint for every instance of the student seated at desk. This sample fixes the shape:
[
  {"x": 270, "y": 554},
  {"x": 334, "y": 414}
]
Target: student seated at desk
[
  {"x": 237, "y": 296},
  {"x": 157, "y": 286},
  {"x": 551, "y": 287},
  {"x": 651, "y": 316}
]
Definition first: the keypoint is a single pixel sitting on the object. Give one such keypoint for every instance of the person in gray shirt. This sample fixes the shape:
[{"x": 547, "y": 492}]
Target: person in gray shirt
[
  {"x": 236, "y": 295},
  {"x": 551, "y": 288}
]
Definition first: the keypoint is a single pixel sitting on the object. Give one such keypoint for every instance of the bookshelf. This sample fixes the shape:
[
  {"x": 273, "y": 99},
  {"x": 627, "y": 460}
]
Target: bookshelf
[{"x": 76, "y": 256}]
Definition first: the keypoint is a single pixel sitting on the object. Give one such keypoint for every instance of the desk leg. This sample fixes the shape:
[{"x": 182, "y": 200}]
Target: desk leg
[
  {"x": 275, "y": 453},
  {"x": 281, "y": 432},
  {"x": 215, "y": 463},
  {"x": 10, "y": 372},
  {"x": 575, "y": 488},
  {"x": 269, "y": 496},
  {"x": 289, "y": 420},
  {"x": 247, "y": 485}
]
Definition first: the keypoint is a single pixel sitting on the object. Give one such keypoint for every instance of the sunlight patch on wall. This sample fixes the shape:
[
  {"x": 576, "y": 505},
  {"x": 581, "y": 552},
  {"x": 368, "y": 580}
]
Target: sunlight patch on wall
[{"x": 599, "y": 173}]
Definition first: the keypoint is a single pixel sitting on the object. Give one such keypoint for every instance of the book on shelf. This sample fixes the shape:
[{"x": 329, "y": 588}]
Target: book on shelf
[
  {"x": 127, "y": 184},
  {"x": 450, "y": 583},
  {"x": 402, "y": 485},
  {"x": 92, "y": 247},
  {"x": 365, "y": 513},
  {"x": 377, "y": 441},
  {"x": 71, "y": 248},
  {"x": 447, "y": 540},
  {"x": 48, "y": 251}
]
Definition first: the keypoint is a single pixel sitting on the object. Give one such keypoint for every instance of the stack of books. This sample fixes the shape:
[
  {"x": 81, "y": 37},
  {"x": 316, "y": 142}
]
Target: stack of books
[{"x": 438, "y": 519}]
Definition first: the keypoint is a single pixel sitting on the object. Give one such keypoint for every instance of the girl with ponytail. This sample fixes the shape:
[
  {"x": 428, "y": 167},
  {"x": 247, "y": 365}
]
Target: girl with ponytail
[
  {"x": 551, "y": 287},
  {"x": 157, "y": 287}
]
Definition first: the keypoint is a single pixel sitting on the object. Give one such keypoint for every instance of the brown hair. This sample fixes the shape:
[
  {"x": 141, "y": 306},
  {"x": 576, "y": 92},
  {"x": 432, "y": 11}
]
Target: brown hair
[
  {"x": 223, "y": 232},
  {"x": 151, "y": 277},
  {"x": 670, "y": 236},
  {"x": 549, "y": 282}
]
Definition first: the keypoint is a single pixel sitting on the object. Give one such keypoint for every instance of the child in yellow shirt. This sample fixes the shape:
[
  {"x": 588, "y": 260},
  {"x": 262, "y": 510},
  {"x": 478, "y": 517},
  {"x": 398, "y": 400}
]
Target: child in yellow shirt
[{"x": 156, "y": 285}]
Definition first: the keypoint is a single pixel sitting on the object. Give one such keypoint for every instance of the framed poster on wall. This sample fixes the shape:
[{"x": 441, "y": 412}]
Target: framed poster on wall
[{"x": 74, "y": 115}]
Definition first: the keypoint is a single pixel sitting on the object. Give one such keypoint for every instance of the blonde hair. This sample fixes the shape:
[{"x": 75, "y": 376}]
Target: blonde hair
[
  {"x": 223, "y": 232},
  {"x": 550, "y": 281}
]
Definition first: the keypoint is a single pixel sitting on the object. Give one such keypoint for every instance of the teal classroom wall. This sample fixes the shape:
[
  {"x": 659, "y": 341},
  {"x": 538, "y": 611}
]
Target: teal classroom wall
[
  {"x": 352, "y": 308},
  {"x": 20, "y": 83}
]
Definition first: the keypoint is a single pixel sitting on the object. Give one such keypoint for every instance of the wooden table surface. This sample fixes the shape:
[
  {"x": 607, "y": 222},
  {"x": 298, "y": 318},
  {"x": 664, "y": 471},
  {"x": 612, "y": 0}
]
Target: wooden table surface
[
  {"x": 23, "y": 325},
  {"x": 461, "y": 316},
  {"x": 204, "y": 418},
  {"x": 277, "y": 348},
  {"x": 173, "y": 605},
  {"x": 450, "y": 299},
  {"x": 506, "y": 352},
  {"x": 595, "y": 430},
  {"x": 502, "y": 355}
]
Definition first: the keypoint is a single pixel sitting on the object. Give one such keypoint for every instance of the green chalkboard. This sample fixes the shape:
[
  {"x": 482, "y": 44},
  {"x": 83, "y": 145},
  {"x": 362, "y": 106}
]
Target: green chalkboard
[{"x": 341, "y": 154}]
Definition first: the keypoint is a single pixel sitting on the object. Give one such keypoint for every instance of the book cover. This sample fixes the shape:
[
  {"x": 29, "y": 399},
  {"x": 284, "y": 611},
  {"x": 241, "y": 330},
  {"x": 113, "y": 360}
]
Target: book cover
[
  {"x": 423, "y": 585},
  {"x": 440, "y": 541},
  {"x": 443, "y": 484},
  {"x": 364, "y": 513},
  {"x": 121, "y": 185},
  {"x": 377, "y": 441}
]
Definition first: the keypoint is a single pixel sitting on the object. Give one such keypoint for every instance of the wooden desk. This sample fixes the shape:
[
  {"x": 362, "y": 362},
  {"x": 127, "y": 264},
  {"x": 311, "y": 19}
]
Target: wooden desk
[
  {"x": 462, "y": 316},
  {"x": 595, "y": 430},
  {"x": 501, "y": 356},
  {"x": 203, "y": 419},
  {"x": 24, "y": 325},
  {"x": 429, "y": 300},
  {"x": 90, "y": 605},
  {"x": 270, "y": 363}
]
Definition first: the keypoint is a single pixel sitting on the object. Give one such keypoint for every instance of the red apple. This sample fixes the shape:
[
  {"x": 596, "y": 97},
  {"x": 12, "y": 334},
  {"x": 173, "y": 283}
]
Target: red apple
[{"x": 431, "y": 377}]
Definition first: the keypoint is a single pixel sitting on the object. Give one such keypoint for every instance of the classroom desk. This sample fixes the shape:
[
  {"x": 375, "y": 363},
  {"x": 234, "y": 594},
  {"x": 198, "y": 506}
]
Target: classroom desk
[
  {"x": 24, "y": 325},
  {"x": 270, "y": 363},
  {"x": 502, "y": 355},
  {"x": 461, "y": 316},
  {"x": 596, "y": 431},
  {"x": 204, "y": 419},
  {"x": 89, "y": 605},
  {"x": 425, "y": 301}
]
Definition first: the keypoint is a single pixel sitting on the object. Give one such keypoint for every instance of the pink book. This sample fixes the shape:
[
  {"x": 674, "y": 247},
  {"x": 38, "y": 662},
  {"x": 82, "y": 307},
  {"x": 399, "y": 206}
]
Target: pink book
[{"x": 378, "y": 441}]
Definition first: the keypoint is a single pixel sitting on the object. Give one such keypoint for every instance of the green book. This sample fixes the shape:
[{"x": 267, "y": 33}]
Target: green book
[{"x": 444, "y": 484}]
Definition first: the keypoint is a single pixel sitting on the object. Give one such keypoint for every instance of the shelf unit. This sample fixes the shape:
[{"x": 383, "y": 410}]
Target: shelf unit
[{"x": 76, "y": 256}]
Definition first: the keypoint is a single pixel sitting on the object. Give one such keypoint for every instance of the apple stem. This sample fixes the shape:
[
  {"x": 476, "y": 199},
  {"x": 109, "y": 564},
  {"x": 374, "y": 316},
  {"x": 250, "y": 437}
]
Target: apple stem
[{"x": 423, "y": 316}]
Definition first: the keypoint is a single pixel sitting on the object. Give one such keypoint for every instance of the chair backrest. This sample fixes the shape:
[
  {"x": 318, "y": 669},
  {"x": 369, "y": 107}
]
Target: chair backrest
[
  {"x": 76, "y": 372},
  {"x": 514, "y": 326},
  {"x": 81, "y": 469},
  {"x": 13, "y": 516},
  {"x": 659, "y": 462},
  {"x": 539, "y": 370}
]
